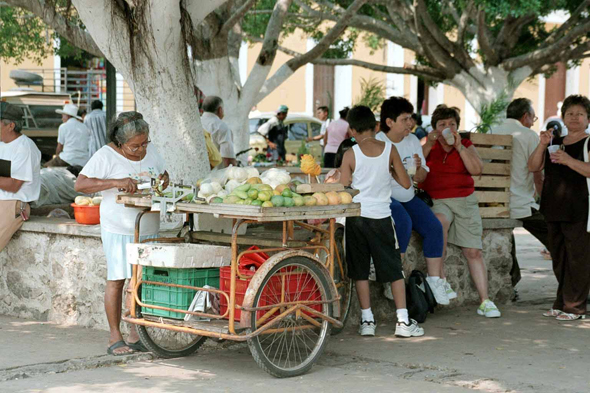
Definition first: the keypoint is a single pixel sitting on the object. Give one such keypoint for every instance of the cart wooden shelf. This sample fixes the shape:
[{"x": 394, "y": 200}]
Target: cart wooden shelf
[{"x": 293, "y": 302}]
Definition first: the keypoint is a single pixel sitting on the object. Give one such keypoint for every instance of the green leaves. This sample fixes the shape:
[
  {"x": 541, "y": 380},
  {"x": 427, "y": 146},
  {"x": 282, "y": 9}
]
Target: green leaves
[{"x": 22, "y": 36}]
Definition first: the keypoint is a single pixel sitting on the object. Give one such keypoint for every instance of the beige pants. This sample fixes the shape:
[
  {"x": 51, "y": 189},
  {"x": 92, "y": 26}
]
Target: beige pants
[{"x": 10, "y": 220}]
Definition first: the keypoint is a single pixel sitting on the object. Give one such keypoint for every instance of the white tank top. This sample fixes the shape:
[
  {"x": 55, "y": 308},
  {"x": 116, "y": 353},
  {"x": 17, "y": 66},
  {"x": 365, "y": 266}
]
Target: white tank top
[{"x": 372, "y": 178}]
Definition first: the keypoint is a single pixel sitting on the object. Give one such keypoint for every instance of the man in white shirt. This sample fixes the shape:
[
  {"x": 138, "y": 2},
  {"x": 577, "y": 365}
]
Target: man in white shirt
[
  {"x": 72, "y": 140},
  {"x": 219, "y": 130},
  {"x": 524, "y": 184},
  {"x": 20, "y": 163},
  {"x": 96, "y": 122},
  {"x": 321, "y": 113}
]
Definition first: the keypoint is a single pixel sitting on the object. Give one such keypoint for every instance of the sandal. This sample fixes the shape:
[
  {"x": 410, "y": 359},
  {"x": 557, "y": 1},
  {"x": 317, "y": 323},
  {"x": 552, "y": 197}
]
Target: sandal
[
  {"x": 552, "y": 313},
  {"x": 119, "y": 344},
  {"x": 546, "y": 255},
  {"x": 570, "y": 317}
]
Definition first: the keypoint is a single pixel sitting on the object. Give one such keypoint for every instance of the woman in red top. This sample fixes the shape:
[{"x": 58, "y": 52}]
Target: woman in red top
[{"x": 451, "y": 187}]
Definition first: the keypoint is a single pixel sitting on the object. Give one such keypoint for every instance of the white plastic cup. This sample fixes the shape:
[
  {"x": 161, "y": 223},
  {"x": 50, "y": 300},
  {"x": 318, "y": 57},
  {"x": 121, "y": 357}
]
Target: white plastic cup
[
  {"x": 449, "y": 137},
  {"x": 410, "y": 165},
  {"x": 553, "y": 149}
]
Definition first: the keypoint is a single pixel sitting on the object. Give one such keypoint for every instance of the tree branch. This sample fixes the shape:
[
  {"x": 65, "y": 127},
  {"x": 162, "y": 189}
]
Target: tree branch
[
  {"x": 237, "y": 16},
  {"x": 572, "y": 21},
  {"x": 48, "y": 13},
  {"x": 484, "y": 38}
]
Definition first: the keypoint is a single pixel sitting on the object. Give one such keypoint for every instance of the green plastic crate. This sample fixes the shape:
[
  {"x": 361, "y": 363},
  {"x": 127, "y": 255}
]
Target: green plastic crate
[{"x": 172, "y": 297}]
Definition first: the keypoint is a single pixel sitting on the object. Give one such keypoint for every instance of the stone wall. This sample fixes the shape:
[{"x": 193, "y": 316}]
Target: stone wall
[{"x": 54, "y": 270}]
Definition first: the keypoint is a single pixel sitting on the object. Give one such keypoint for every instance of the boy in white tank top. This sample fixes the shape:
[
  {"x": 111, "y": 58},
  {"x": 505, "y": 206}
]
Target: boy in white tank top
[{"x": 368, "y": 167}]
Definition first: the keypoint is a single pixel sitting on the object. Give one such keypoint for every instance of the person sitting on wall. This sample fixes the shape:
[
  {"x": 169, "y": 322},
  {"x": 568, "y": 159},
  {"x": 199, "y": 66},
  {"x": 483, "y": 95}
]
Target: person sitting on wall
[
  {"x": 72, "y": 139},
  {"x": 20, "y": 163}
]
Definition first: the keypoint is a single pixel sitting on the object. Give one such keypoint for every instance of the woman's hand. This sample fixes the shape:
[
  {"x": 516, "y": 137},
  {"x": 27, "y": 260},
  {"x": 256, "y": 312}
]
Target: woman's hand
[
  {"x": 164, "y": 179},
  {"x": 562, "y": 158},
  {"x": 545, "y": 137},
  {"x": 432, "y": 137},
  {"x": 457, "y": 145},
  {"x": 127, "y": 185}
]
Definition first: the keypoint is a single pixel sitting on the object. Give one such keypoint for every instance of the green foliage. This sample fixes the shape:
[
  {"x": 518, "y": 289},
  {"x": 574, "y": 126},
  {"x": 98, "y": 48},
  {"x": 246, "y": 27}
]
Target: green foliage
[
  {"x": 372, "y": 94},
  {"x": 490, "y": 113},
  {"x": 22, "y": 36}
]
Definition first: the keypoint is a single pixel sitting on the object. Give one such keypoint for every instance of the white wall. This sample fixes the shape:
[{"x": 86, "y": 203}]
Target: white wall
[
  {"x": 342, "y": 88},
  {"x": 395, "y": 58}
]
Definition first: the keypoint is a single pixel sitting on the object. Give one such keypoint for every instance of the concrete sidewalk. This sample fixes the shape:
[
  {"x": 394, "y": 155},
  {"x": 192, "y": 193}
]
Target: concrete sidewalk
[{"x": 461, "y": 352}]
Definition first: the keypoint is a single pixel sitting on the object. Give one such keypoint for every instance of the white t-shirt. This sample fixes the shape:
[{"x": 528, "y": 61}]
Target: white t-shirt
[
  {"x": 25, "y": 165},
  {"x": 106, "y": 163},
  {"x": 408, "y": 146},
  {"x": 220, "y": 134},
  {"x": 74, "y": 136},
  {"x": 522, "y": 182}
]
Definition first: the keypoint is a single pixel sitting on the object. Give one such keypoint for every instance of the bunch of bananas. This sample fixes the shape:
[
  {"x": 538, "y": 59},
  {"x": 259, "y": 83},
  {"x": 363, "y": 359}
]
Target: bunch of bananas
[{"x": 309, "y": 166}]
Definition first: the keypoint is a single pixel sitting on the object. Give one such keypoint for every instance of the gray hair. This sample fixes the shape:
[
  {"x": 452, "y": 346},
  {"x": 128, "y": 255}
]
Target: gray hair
[
  {"x": 212, "y": 104},
  {"x": 518, "y": 108},
  {"x": 126, "y": 126},
  {"x": 18, "y": 124}
]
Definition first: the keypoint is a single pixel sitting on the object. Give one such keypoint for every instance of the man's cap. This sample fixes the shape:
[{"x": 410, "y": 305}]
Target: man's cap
[
  {"x": 283, "y": 109},
  {"x": 10, "y": 112}
]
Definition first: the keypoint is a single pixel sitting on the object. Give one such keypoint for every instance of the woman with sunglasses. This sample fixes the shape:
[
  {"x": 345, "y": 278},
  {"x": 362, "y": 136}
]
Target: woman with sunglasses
[{"x": 129, "y": 159}]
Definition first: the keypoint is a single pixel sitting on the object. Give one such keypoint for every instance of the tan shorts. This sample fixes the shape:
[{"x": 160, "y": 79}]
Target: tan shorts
[
  {"x": 466, "y": 228},
  {"x": 10, "y": 220}
]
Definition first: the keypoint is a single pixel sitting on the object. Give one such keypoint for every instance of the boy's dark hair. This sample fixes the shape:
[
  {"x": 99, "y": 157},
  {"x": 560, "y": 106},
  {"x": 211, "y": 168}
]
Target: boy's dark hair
[
  {"x": 417, "y": 118},
  {"x": 344, "y": 113},
  {"x": 575, "y": 99},
  {"x": 323, "y": 109},
  {"x": 343, "y": 148},
  {"x": 360, "y": 118},
  {"x": 392, "y": 108},
  {"x": 443, "y": 112},
  {"x": 96, "y": 104}
]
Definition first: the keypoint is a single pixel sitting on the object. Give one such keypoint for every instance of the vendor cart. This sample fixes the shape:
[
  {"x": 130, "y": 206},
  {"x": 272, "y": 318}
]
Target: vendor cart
[{"x": 293, "y": 301}]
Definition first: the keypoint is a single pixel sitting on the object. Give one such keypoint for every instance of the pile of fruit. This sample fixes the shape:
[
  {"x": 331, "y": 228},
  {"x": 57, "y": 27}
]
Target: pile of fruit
[{"x": 87, "y": 201}]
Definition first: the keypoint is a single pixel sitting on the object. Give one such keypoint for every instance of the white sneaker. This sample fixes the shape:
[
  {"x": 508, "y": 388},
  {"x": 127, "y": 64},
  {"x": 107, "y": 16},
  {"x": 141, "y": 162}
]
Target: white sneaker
[
  {"x": 367, "y": 328},
  {"x": 438, "y": 289},
  {"x": 450, "y": 293},
  {"x": 489, "y": 309},
  {"x": 412, "y": 329}
]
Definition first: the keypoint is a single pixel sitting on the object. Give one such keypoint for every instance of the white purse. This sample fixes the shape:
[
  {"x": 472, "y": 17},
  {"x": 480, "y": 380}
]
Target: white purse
[{"x": 587, "y": 179}]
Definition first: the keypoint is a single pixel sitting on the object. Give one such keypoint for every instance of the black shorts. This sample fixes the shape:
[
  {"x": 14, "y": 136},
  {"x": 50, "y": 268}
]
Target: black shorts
[{"x": 366, "y": 238}]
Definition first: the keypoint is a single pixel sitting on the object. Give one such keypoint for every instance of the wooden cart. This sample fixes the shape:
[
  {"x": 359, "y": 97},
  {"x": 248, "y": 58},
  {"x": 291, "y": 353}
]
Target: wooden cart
[{"x": 293, "y": 302}]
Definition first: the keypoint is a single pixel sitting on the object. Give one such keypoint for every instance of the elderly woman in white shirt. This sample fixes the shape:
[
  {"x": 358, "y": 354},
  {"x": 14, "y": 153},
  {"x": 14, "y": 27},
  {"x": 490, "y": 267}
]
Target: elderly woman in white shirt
[{"x": 119, "y": 166}]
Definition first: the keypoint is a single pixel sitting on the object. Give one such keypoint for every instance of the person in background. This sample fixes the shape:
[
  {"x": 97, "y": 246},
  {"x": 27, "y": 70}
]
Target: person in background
[
  {"x": 407, "y": 210},
  {"x": 418, "y": 130},
  {"x": 368, "y": 167},
  {"x": 127, "y": 160},
  {"x": 336, "y": 132},
  {"x": 322, "y": 113},
  {"x": 82, "y": 113},
  {"x": 96, "y": 122},
  {"x": 275, "y": 131},
  {"x": 72, "y": 139},
  {"x": 520, "y": 117},
  {"x": 212, "y": 119},
  {"x": 23, "y": 184},
  {"x": 564, "y": 204},
  {"x": 450, "y": 184}
]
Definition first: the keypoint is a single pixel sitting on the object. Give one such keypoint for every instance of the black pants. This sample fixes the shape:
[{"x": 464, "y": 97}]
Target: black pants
[
  {"x": 569, "y": 244},
  {"x": 537, "y": 227}
]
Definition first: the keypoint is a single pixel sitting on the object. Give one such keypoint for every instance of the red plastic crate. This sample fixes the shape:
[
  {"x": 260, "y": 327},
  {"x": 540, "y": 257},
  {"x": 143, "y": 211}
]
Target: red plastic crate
[{"x": 309, "y": 291}]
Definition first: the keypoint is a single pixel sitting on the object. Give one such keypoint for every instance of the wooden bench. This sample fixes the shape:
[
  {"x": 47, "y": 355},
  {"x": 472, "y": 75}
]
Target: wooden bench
[{"x": 492, "y": 188}]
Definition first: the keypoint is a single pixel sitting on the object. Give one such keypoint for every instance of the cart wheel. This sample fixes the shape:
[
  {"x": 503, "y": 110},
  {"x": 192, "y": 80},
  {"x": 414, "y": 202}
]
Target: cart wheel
[
  {"x": 167, "y": 343},
  {"x": 343, "y": 283},
  {"x": 293, "y": 344}
]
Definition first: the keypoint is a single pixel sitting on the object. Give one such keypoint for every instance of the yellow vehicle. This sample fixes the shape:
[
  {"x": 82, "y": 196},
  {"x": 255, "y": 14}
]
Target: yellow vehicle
[
  {"x": 300, "y": 128},
  {"x": 40, "y": 120}
]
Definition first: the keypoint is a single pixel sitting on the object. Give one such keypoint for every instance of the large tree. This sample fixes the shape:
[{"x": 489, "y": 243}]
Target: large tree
[
  {"x": 484, "y": 48},
  {"x": 164, "y": 49}
]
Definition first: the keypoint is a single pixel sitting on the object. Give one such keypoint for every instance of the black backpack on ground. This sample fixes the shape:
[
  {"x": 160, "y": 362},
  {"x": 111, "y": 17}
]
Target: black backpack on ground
[{"x": 419, "y": 297}]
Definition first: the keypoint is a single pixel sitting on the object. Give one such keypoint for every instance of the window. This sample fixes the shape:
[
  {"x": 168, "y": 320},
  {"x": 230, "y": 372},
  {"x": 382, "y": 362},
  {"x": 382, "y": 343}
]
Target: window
[
  {"x": 44, "y": 116},
  {"x": 297, "y": 131},
  {"x": 316, "y": 129}
]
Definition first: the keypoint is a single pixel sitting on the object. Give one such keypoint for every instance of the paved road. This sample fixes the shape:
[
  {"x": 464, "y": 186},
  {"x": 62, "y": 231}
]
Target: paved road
[{"x": 461, "y": 352}]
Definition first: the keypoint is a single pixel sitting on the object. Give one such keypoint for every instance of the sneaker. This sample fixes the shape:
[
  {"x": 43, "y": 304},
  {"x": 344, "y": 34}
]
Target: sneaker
[
  {"x": 489, "y": 309},
  {"x": 367, "y": 328},
  {"x": 438, "y": 290},
  {"x": 387, "y": 291},
  {"x": 450, "y": 293},
  {"x": 412, "y": 329}
]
